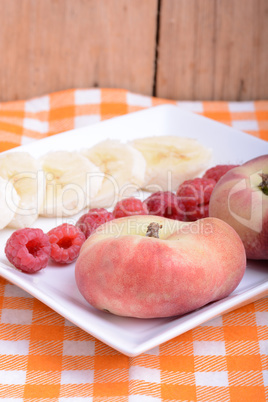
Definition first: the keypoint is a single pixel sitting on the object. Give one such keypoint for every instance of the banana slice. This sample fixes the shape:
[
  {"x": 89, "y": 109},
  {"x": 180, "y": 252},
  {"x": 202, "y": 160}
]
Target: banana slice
[
  {"x": 71, "y": 182},
  {"x": 24, "y": 172},
  {"x": 171, "y": 160},
  {"x": 123, "y": 168},
  {"x": 8, "y": 199}
]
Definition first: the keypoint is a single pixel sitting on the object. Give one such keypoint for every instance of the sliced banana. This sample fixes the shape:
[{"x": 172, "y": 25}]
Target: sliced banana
[
  {"x": 170, "y": 160},
  {"x": 123, "y": 168},
  {"x": 9, "y": 201},
  {"x": 24, "y": 172},
  {"x": 71, "y": 182}
]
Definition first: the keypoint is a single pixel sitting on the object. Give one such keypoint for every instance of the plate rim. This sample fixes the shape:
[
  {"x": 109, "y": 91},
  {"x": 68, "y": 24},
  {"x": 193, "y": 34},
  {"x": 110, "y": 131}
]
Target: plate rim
[{"x": 145, "y": 345}]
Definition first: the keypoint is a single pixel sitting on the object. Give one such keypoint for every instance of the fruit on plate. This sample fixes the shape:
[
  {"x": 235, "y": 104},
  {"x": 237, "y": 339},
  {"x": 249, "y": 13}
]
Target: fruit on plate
[
  {"x": 166, "y": 204},
  {"x": 130, "y": 206},
  {"x": 24, "y": 172},
  {"x": 123, "y": 168},
  {"x": 71, "y": 182},
  {"x": 124, "y": 268},
  {"x": 195, "y": 196},
  {"x": 9, "y": 199},
  {"x": 28, "y": 249},
  {"x": 66, "y": 241},
  {"x": 240, "y": 198},
  {"x": 170, "y": 160},
  {"x": 216, "y": 172},
  {"x": 95, "y": 217}
]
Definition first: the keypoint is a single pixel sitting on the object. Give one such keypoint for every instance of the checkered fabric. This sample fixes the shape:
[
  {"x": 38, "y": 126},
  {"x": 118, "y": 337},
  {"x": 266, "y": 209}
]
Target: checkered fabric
[{"x": 45, "y": 358}]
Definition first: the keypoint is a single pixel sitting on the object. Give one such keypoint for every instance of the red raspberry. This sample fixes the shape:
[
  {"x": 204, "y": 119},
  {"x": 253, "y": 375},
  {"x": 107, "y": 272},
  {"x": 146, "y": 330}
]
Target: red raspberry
[
  {"x": 195, "y": 195},
  {"x": 130, "y": 206},
  {"x": 93, "y": 219},
  {"x": 167, "y": 204},
  {"x": 28, "y": 249},
  {"x": 66, "y": 241},
  {"x": 217, "y": 172}
]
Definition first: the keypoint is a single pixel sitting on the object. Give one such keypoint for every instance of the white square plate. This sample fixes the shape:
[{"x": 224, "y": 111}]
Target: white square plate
[{"x": 55, "y": 286}]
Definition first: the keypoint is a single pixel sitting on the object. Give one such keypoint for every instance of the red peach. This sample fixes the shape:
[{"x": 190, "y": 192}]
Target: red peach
[
  {"x": 122, "y": 270},
  {"x": 240, "y": 198}
]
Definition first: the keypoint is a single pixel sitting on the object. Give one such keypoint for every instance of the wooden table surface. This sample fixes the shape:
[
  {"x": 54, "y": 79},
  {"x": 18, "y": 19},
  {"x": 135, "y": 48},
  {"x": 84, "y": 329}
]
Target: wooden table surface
[{"x": 176, "y": 49}]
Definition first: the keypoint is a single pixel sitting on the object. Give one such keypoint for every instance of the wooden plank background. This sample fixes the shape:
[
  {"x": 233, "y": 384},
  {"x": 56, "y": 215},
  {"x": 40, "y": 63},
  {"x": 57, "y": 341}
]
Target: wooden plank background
[
  {"x": 177, "y": 49},
  {"x": 213, "y": 49}
]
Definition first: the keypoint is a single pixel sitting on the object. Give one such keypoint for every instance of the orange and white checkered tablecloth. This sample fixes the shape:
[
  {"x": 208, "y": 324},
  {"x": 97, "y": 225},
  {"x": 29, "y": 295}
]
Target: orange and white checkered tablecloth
[{"x": 45, "y": 358}]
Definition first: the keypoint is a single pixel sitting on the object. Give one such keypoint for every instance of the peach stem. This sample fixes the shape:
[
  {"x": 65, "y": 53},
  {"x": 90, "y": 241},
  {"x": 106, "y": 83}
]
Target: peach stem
[
  {"x": 153, "y": 230},
  {"x": 264, "y": 184}
]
